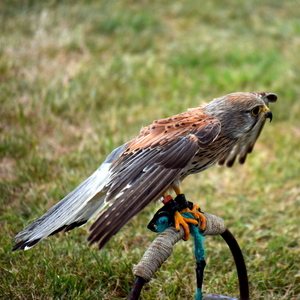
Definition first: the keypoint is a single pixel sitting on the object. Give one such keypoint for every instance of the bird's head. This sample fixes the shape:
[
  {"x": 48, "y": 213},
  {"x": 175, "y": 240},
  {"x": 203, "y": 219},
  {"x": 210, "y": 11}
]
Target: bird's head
[{"x": 240, "y": 112}]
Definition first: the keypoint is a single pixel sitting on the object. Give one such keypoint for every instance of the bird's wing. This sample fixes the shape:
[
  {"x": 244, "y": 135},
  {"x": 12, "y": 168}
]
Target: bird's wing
[
  {"x": 246, "y": 144},
  {"x": 149, "y": 165}
]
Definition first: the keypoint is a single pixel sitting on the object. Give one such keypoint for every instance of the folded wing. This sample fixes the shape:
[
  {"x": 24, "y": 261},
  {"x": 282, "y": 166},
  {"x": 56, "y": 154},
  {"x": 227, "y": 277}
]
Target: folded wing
[{"x": 149, "y": 166}]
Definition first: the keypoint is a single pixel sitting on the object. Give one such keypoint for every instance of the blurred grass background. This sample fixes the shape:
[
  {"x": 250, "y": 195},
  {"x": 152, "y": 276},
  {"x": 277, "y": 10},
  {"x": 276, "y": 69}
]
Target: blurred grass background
[{"x": 79, "y": 78}]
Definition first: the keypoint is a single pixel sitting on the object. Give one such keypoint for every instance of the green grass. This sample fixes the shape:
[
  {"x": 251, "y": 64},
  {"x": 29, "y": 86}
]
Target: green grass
[{"x": 79, "y": 78}]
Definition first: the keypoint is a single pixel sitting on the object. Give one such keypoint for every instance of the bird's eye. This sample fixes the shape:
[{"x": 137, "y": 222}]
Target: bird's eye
[{"x": 256, "y": 110}]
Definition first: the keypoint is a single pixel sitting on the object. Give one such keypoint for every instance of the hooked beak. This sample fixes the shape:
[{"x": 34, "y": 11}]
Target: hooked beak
[{"x": 267, "y": 114}]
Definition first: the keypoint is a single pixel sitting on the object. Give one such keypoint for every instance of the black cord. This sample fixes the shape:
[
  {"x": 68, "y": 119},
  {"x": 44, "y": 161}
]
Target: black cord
[
  {"x": 239, "y": 262},
  {"x": 136, "y": 288}
]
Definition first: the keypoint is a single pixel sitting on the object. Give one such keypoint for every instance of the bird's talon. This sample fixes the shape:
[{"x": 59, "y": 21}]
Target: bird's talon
[
  {"x": 203, "y": 222},
  {"x": 195, "y": 211},
  {"x": 180, "y": 220},
  {"x": 186, "y": 236},
  {"x": 191, "y": 221}
]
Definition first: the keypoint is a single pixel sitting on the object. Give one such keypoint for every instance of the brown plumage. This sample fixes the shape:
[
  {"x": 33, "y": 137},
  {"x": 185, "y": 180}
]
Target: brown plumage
[{"x": 161, "y": 156}]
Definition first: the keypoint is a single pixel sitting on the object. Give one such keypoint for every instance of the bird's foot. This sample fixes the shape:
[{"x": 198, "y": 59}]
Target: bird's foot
[
  {"x": 171, "y": 214},
  {"x": 196, "y": 212},
  {"x": 180, "y": 220}
]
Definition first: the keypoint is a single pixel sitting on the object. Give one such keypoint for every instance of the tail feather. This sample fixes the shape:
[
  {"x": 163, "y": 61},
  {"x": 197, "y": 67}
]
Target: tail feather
[{"x": 72, "y": 211}]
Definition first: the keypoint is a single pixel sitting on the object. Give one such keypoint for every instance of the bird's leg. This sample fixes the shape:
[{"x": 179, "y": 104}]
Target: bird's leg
[{"x": 176, "y": 189}]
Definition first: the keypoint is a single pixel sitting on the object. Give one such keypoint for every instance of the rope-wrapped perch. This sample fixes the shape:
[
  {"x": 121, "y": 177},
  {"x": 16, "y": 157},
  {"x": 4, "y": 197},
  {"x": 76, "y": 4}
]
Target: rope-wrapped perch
[{"x": 162, "y": 247}]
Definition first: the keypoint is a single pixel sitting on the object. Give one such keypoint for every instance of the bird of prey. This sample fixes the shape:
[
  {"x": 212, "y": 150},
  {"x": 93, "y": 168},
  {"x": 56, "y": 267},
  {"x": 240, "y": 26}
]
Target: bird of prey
[{"x": 155, "y": 162}]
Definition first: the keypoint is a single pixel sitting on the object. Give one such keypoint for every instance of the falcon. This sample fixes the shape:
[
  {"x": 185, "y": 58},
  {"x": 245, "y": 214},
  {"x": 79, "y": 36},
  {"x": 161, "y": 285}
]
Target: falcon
[{"x": 154, "y": 164}]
